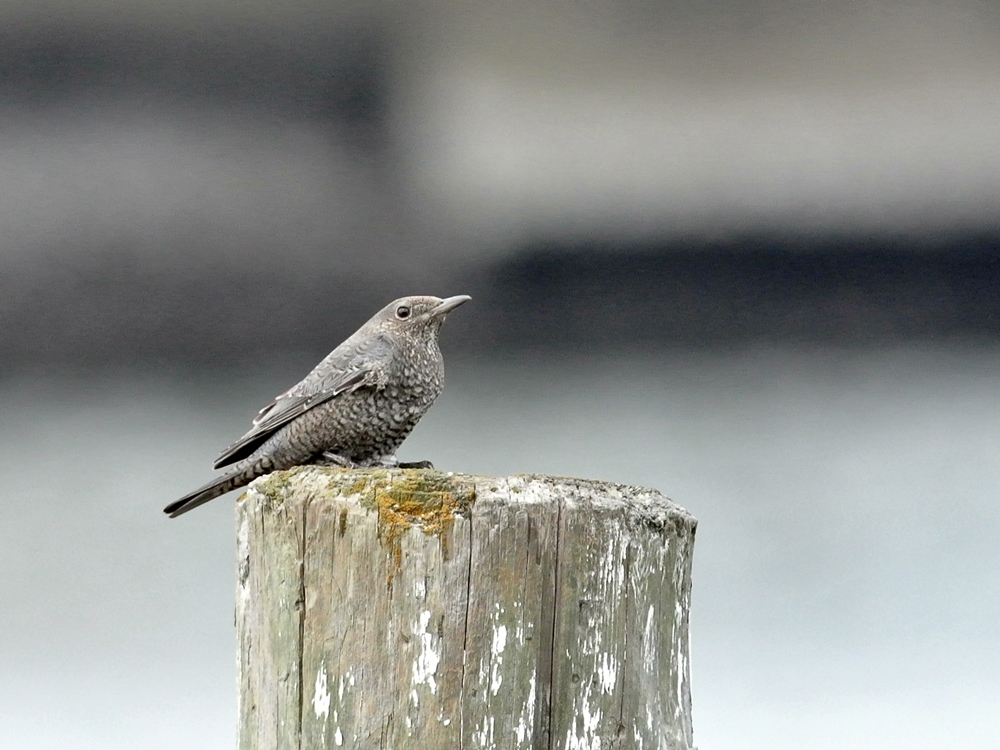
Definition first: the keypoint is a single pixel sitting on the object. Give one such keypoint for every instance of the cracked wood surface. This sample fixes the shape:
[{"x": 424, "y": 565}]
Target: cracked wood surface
[{"x": 415, "y": 609}]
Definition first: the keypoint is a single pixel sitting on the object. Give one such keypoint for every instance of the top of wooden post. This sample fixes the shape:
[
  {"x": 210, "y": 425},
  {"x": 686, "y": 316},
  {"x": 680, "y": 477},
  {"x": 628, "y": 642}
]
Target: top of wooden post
[
  {"x": 429, "y": 498},
  {"x": 423, "y": 609}
]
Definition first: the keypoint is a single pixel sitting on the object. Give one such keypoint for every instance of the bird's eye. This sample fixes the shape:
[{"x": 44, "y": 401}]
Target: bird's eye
[{"x": 402, "y": 312}]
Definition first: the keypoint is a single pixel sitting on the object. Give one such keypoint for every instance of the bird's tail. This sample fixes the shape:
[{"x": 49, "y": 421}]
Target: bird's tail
[{"x": 212, "y": 490}]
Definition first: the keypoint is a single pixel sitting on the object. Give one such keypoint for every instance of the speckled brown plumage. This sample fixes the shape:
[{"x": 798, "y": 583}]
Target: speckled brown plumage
[{"x": 353, "y": 409}]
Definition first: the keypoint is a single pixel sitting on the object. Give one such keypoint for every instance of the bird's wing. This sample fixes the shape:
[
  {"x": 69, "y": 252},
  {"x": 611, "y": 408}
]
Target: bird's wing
[{"x": 365, "y": 368}]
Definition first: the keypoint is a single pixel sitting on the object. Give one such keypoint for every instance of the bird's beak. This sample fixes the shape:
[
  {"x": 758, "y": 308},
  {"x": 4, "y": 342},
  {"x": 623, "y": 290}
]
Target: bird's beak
[{"x": 447, "y": 305}]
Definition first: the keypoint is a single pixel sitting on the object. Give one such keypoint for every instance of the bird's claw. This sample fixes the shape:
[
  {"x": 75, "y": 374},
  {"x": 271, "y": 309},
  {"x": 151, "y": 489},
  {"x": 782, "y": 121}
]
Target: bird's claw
[
  {"x": 326, "y": 458},
  {"x": 416, "y": 465}
]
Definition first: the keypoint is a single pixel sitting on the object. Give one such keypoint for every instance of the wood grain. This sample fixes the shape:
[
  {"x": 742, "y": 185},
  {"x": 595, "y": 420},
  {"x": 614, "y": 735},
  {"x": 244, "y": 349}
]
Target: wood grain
[{"x": 417, "y": 609}]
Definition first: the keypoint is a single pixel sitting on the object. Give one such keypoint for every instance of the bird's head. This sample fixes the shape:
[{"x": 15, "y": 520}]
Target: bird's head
[{"x": 418, "y": 315}]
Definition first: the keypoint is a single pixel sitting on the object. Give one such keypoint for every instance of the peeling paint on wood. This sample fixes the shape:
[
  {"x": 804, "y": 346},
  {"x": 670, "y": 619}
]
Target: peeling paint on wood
[{"x": 417, "y": 609}]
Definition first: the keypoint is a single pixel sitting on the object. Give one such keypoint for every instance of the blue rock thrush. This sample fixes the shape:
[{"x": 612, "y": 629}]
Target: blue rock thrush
[{"x": 353, "y": 409}]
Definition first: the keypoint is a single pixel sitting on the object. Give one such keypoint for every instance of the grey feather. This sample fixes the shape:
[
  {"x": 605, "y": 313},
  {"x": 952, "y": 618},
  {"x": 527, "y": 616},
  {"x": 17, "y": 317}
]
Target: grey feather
[
  {"x": 350, "y": 366},
  {"x": 358, "y": 404}
]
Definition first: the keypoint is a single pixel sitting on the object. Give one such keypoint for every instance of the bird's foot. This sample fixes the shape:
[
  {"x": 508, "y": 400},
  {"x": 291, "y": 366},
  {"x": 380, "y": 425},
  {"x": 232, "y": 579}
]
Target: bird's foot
[
  {"x": 391, "y": 462},
  {"x": 326, "y": 458},
  {"x": 388, "y": 461},
  {"x": 416, "y": 465}
]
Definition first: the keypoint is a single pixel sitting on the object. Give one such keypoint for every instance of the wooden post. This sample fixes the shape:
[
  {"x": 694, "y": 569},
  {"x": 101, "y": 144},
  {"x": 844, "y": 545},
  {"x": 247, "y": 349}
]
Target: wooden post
[{"x": 417, "y": 609}]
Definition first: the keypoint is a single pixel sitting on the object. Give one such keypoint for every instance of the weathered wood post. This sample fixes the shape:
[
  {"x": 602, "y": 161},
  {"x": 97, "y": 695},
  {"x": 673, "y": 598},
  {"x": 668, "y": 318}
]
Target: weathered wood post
[{"x": 417, "y": 609}]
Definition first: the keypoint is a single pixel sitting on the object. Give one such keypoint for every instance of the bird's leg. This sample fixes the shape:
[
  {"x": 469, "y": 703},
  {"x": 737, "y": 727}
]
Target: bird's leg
[
  {"x": 390, "y": 461},
  {"x": 416, "y": 465},
  {"x": 328, "y": 458}
]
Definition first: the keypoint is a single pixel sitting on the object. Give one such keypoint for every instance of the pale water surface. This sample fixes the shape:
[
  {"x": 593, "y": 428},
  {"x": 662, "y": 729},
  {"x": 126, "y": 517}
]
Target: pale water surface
[{"x": 847, "y": 566}]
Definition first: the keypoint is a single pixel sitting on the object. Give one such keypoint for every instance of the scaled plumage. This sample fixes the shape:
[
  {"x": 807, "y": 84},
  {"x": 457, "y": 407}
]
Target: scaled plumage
[{"x": 353, "y": 409}]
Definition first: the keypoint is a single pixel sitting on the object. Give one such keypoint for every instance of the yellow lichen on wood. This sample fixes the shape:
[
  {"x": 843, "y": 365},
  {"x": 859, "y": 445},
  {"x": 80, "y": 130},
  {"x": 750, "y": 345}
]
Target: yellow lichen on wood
[{"x": 404, "y": 498}]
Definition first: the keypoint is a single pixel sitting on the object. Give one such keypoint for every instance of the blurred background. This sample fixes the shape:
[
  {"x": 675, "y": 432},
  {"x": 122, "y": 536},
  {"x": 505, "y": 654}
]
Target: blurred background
[{"x": 746, "y": 252}]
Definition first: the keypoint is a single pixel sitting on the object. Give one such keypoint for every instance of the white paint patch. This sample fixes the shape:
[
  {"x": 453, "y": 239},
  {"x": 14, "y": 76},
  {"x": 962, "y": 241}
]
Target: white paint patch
[
  {"x": 338, "y": 737},
  {"x": 649, "y": 644},
  {"x": 345, "y": 680},
  {"x": 484, "y": 737},
  {"x": 680, "y": 658},
  {"x": 607, "y": 672},
  {"x": 527, "y": 721},
  {"x": 426, "y": 664},
  {"x": 321, "y": 695},
  {"x": 589, "y": 739},
  {"x": 243, "y": 545},
  {"x": 499, "y": 644}
]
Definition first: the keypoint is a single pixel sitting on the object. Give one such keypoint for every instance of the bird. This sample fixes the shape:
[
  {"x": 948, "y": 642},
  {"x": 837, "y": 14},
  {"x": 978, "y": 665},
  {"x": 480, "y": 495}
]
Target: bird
[{"x": 353, "y": 409}]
